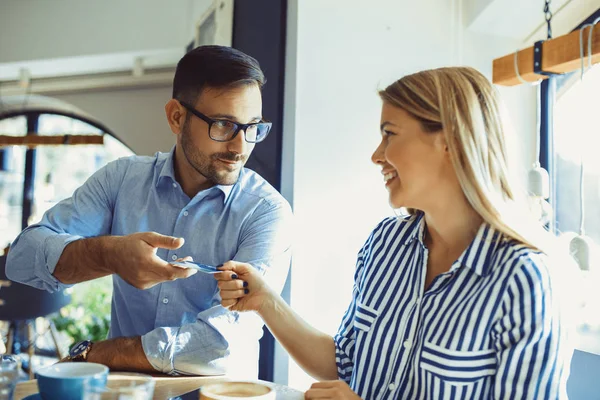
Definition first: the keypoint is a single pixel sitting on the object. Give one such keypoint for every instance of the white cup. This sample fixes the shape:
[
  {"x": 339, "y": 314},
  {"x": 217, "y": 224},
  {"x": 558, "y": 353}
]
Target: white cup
[{"x": 236, "y": 390}]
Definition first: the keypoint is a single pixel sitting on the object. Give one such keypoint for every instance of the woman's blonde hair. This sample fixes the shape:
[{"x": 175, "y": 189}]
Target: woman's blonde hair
[{"x": 463, "y": 103}]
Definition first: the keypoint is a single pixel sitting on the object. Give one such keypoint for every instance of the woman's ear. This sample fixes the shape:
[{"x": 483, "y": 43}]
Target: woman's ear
[
  {"x": 175, "y": 115},
  {"x": 441, "y": 141}
]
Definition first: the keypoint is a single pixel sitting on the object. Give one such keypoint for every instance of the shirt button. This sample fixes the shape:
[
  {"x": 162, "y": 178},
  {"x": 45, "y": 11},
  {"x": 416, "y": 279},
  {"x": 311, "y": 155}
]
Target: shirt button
[
  {"x": 165, "y": 300},
  {"x": 174, "y": 257},
  {"x": 392, "y": 386},
  {"x": 407, "y": 344},
  {"x": 185, "y": 213},
  {"x": 174, "y": 185}
]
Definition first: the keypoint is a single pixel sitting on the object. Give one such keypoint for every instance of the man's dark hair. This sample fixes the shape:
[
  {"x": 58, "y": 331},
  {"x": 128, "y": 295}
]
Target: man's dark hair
[{"x": 214, "y": 67}]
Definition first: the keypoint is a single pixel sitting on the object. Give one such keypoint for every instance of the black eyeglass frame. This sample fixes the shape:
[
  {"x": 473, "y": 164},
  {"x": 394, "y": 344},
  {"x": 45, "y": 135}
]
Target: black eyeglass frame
[{"x": 238, "y": 127}]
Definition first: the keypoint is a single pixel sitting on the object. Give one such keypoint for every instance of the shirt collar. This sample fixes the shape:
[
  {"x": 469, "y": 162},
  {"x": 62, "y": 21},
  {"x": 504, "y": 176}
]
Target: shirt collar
[
  {"x": 416, "y": 229},
  {"x": 478, "y": 256},
  {"x": 168, "y": 172}
]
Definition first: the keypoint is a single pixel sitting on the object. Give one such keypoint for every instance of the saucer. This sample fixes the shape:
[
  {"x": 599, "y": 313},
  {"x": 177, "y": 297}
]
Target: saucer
[{"x": 35, "y": 396}]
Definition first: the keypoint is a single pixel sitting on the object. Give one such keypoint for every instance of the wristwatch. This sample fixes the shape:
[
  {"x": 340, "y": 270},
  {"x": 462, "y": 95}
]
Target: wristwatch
[{"x": 80, "y": 351}]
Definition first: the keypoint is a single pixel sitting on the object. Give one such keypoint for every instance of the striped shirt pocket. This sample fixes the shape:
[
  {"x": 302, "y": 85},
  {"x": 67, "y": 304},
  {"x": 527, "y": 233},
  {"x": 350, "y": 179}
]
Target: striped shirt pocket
[
  {"x": 458, "y": 368},
  {"x": 364, "y": 317}
]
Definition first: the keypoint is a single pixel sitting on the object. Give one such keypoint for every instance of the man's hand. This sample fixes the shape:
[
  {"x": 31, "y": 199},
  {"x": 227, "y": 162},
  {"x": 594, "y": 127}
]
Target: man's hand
[
  {"x": 331, "y": 390},
  {"x": 135, "y": 260},
  {"x": 132, "y": 257}
]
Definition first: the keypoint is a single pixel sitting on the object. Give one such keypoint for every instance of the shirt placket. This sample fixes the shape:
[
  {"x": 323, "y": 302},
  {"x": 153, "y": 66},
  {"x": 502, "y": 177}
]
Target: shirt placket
[
  {"x": 406, "y": 349},
  {"x": 167, "y": 292},
  {"x": 437, "y": 286}
]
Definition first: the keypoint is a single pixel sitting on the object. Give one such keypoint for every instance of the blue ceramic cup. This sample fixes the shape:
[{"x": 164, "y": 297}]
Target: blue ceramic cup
[{"x": 64, "y": 381}]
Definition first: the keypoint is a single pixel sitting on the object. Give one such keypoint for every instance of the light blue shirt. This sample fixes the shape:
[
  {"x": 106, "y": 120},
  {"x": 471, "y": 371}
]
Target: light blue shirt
[
  {"x": 183, "y": 327},
  {"x": 489, "y": 328}
]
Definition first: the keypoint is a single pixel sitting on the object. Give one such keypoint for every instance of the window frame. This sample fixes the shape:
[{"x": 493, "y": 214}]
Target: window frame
[
  {"x": 548, "y": 93},
  {"x": 32, "y": 117}
]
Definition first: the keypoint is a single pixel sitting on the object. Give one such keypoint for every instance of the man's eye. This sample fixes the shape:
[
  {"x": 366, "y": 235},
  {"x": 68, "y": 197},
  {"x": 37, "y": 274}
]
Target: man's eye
[{"x": 224, "y": 124}]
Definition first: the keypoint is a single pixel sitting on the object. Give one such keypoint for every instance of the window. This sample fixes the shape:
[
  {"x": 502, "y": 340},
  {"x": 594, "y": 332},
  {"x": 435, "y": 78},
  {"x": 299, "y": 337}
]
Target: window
[
  {"x": 12, "y": 167},
  {"x": 58, "y": 170},
  {"x": 575, "y": 137},
  {"x": 62, "y": 169}
]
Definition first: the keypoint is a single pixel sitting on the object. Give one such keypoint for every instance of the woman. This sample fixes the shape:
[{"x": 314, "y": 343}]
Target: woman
[{"x": 453, "y": 300}]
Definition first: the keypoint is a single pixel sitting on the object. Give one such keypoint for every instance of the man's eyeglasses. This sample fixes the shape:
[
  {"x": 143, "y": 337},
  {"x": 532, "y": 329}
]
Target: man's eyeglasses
[{"x": 222, "y": 130}]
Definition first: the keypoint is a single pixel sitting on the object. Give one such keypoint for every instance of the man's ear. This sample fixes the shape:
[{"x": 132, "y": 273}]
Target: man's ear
[{"x": 175, "y": 115}]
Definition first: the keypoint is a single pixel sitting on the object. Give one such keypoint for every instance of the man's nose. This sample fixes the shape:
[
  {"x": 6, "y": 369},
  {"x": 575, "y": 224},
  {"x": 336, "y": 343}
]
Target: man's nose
[{"x": 238, "y": 144}]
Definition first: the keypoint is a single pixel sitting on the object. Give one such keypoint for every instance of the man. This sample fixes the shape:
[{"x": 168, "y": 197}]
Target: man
[{"x": 137, "y": 214}]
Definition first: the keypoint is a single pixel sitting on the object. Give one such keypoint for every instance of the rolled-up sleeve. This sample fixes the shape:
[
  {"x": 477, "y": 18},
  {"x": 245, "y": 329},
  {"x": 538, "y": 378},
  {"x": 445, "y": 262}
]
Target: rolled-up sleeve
[
  {"x": 345, "y": 338},
  {"x": 200, "y": 348},
  {"x": 205, "y": 346},
  {"x": 35, "y": 252}
]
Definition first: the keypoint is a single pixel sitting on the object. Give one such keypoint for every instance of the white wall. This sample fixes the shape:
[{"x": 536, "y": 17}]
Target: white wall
[
  {"x": 59, "y": 29},
  {"x": 137, "y": 117},
  {"x": 343, "y": 54},
  {"x": 40, "y": 29}
]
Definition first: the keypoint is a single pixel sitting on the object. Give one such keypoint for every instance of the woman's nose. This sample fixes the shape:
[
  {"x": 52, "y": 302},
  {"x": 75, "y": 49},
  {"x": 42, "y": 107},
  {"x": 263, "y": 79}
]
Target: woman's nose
[{"x": 378, "y": 155}]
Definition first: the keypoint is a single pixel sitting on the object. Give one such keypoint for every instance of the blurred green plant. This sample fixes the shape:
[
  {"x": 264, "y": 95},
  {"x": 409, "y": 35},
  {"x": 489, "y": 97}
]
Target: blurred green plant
[{"x": 87, "y": 317}]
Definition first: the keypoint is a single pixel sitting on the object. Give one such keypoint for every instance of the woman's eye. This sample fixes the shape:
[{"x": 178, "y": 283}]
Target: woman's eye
[{"x": 388, "y": 133}]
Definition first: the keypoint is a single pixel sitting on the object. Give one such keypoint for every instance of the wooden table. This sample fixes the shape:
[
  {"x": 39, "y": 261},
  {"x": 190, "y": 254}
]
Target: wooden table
[{"x": 173, "y": 386}]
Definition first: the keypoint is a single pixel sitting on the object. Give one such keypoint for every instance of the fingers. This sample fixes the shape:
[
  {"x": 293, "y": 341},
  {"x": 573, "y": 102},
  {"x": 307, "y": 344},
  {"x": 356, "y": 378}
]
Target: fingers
[
  {"x": 329, "y": 384},
  {"x": 317, "y": 394},
  {"x": 323, "y": 384},
  {"x": 174, "y": 272},
  {"x": 330, "y": 390},
  {"x": 233, "y": 294},
  {"x": 226, "y": 276},
  {"x": 187, "y": 258},
  {"x": 228, "y": 303},
  {"x": 235, "y": 284},
  {"x": 164, "y": 242},
  {"x": 237, "y": 267},
  {"x": 232, "y": 289}
]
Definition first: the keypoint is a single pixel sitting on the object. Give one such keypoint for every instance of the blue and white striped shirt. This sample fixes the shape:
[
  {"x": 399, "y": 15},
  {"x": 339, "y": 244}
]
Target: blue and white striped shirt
[{"x": 486, "y": 329}]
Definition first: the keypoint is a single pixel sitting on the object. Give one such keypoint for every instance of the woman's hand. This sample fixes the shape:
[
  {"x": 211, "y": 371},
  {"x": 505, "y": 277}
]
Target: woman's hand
[
  {"x": 331, "y": 390},
  {"x": 242, "y": 287}
]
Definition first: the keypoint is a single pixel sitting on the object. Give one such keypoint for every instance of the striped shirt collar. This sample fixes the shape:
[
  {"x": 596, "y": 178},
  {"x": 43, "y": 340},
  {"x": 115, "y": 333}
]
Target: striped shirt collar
[
  {"x": 477, "y": 257},
  {"x": 168, "y": 171}
]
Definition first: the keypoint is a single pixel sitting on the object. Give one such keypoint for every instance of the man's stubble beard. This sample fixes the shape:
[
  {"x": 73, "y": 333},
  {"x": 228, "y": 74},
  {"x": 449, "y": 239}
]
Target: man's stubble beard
[{"x": 205, "y": 164}]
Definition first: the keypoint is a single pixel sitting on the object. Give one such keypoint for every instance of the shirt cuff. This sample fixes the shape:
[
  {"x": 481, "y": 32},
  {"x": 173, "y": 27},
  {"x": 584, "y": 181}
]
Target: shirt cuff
[
  {"x": 47, "y": 257},
  {"x": 200, "y": 348}
]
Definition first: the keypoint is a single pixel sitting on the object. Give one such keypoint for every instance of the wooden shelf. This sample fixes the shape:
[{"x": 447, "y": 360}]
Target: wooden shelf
[
  {"x": 32, "y": 140},
  {"x": 559, "y": 55}
]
